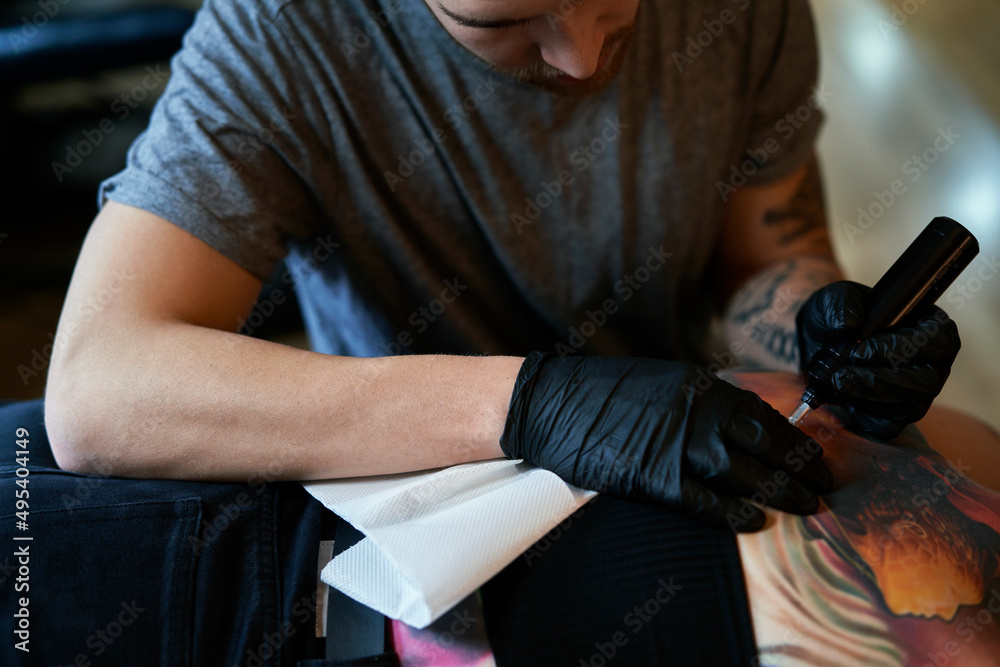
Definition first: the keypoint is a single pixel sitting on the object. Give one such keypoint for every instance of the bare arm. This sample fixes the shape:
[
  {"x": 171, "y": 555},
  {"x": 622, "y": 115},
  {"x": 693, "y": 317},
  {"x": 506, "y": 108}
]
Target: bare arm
[
  {"x": 149, "y": 378},
  {"x": 774, "y": 252}
]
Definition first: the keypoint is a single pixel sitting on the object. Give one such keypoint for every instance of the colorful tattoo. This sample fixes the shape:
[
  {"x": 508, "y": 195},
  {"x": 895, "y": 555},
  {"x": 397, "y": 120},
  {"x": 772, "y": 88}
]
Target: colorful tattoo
[{"x": 901, "y": 566}]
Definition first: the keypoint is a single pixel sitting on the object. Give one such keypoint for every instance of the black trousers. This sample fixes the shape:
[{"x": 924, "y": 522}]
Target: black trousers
[
  {"x": 119, "y": 571},
  {"x": 625, "y": 583}
]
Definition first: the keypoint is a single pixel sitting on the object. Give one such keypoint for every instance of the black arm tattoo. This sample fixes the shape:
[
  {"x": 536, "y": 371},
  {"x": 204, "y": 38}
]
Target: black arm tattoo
[
  {"x": 761, "y": 315},
  {"x": 804, "y": 213}
]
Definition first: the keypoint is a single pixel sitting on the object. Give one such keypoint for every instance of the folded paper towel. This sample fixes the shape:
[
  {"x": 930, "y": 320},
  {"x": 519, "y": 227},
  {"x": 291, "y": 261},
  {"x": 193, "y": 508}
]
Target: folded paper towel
[{"x": 433, "y": 537}]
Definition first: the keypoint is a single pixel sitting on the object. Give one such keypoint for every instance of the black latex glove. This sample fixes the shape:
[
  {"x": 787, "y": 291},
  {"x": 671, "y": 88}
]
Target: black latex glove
[
  {"x": 892, "y": 377},
  {"x": 640, "y": 429}
]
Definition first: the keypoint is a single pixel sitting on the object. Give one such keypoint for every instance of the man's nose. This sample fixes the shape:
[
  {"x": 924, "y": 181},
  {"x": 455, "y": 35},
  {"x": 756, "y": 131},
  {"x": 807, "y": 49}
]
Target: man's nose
[{"x": 574, "y": 46}]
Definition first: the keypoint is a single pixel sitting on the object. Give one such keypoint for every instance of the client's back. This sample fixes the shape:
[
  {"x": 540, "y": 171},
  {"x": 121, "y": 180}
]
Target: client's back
[{"x": 902, "y": 564}]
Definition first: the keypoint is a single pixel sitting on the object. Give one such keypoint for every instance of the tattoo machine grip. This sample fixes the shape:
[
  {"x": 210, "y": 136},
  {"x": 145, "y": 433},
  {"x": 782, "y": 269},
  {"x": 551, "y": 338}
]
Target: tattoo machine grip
[{"x": 921, "y": 274}]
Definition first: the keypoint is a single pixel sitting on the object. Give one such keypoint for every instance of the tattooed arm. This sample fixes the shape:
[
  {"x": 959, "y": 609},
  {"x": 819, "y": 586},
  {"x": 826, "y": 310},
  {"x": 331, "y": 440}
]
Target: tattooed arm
[{"x": 774, "y": 252}]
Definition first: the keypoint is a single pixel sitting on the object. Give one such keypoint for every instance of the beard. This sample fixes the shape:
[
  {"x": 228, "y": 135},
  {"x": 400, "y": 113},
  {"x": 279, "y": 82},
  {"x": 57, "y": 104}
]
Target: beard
[{"x": 547, "y": 77}]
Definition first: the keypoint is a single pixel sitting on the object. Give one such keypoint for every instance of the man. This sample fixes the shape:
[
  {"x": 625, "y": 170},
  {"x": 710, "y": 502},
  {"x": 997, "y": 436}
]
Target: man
[{"x": 465, "y": 177}]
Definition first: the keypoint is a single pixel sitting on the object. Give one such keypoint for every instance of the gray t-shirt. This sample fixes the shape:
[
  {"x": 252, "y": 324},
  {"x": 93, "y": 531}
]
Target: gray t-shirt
[{"x": 429, "y": 204}]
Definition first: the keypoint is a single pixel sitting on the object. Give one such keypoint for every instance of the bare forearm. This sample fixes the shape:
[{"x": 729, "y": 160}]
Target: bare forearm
[
  {"x": 760, "y": 318},
  {"x": 197, "y": 403}
]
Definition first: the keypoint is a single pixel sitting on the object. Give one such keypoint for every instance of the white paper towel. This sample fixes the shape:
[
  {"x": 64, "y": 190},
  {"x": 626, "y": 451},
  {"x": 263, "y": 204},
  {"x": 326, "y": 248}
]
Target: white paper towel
[{"x": 431, "y": 538}]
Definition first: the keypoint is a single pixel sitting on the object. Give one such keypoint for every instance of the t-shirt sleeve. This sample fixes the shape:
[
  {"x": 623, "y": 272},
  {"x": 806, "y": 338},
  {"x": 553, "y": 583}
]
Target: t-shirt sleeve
[
  {"x": 223, "y": 157},
  {"x": 786, "y": 112}
]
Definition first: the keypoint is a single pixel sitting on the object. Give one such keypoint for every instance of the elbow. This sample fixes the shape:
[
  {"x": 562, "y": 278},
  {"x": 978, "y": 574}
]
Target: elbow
[
  {"x": 69, "y": 424},
  {"x": 90, "y": 420}
]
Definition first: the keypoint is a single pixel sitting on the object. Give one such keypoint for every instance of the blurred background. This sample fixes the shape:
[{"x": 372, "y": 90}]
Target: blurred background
[
  {"x": 915, "y": 102},
  {"x": 912, "y": 132}
]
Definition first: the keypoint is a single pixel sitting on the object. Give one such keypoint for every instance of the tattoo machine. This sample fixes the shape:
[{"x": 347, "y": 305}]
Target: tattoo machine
[{"x": 921, "y": 274}]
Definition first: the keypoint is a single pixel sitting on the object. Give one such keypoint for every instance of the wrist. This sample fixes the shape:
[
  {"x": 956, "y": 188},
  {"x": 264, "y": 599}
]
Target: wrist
[
  {"x": 501, "y": 375},
  {"x": 516, "y": 421}
]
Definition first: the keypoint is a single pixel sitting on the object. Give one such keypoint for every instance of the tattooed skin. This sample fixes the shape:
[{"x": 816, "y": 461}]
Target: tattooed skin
[
  {"x": 900, "y": 567},
  {"x": 804, "y": 213},
  {"x": 761, "y": 315}
]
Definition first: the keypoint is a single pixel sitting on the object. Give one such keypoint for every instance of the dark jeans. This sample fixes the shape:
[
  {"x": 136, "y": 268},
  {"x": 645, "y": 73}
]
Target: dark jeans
[{"x": 152, "y": 572}]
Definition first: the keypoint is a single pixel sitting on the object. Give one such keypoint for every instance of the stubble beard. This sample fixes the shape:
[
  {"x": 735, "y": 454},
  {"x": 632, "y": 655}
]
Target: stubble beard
[{"x": 547, "y": 77}]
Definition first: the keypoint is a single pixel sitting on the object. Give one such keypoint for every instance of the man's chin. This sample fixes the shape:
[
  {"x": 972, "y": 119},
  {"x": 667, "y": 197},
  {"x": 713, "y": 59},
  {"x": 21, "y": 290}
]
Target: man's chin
[{"x": 569, "y": 87}]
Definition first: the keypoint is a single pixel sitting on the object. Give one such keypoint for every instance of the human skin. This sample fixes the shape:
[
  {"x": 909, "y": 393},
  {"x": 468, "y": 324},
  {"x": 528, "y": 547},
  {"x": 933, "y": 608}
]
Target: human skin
[
  {"x": 570, "y": 48},
  {"x": 900, "y": 565}
]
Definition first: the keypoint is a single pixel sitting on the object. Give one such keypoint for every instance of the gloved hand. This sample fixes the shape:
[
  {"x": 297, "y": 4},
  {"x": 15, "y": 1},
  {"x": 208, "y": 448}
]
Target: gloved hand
[
  {"x": 892, "y": 377},
  {"x": 639, "y": 428}
]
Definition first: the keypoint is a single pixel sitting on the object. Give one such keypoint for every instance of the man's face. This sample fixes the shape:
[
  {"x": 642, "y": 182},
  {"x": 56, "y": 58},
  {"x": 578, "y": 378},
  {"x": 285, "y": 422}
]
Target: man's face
[{"x": 570, "y": 47}]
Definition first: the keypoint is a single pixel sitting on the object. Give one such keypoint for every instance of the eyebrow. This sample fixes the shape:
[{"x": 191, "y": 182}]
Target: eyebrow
[{"x": 470, "y": 22}]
